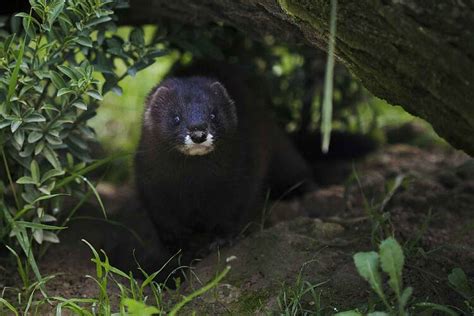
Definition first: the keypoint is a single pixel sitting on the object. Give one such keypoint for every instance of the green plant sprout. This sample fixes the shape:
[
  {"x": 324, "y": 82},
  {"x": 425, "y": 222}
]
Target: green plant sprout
[{"x": 390, "y": 260}]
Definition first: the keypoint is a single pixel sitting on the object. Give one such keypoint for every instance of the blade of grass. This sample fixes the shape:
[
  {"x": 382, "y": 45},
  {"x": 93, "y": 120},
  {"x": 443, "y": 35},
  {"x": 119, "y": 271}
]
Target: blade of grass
[
  {"x": 14, "y": 78},
  {"x": 71, "y": 305},
  {"x": 326, "y": 124},
  {"x": 97, "y": 196},
  {"x": 9, "y": 176},
  {"x": 21, "y": 270},
  {"x": 199, "y": 292},
  {"x": 39, "y": 225},
  {"x": 35, "y": 286},
  {"x": 22, "y": 236},
  {"x": 88, "y": 169},
  {"x": 9, "y": 306},
  {"x": 436, "y": 307},
  {"x": 97, "y": 258}
]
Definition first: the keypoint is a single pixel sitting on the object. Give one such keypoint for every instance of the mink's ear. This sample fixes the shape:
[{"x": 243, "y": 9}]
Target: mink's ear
[
  {"x": 218, "y": 89},
  {"x": 229, "y": 112},
  {"x": 159, "y": 95}
]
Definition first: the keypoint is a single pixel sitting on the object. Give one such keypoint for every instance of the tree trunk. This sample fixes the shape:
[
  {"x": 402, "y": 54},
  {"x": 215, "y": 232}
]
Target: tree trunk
[{"x": 418, "y": 54}]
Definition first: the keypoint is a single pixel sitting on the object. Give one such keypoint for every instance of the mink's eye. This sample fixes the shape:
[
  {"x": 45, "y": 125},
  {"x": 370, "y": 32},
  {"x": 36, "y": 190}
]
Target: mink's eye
[
  {"x": 213, "y": 116},
  {"x": 176, "y": 120}
]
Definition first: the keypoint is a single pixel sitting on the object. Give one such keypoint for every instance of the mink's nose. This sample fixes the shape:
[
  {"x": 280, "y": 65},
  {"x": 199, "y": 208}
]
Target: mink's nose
[
  {"x": 198, "y": 133},
  {"x": 198, "y": 137}
]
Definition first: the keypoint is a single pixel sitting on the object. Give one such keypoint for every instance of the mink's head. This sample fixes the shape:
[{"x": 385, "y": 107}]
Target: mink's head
[{"x": 190, "y": 115}]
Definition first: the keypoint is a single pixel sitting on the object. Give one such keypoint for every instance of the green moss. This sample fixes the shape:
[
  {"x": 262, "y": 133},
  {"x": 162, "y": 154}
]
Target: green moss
[{"x": 295, "y": 9}]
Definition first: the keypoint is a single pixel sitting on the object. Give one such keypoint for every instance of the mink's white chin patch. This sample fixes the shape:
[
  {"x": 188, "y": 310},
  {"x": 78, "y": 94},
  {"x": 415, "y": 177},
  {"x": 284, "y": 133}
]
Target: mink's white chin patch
[{"x": 193, "y": 149}]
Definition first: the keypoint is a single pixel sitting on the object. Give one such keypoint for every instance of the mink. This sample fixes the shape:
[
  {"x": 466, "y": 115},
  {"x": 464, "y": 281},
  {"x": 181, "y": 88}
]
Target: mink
[{"x": 207, "y": 155}]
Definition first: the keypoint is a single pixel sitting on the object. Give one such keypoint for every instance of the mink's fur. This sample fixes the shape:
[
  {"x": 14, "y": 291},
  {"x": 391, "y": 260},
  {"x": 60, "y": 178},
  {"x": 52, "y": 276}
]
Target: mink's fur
[{"x": 196, "y": 199}]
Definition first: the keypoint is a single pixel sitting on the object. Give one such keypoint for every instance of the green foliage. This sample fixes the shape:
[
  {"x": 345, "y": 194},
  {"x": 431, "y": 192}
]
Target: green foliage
[
  {"x": 55, "y": 66},
  {"x": 136, "y": 297},
  {"x": 381, "y": 226},
  {"x": 390, "y": 260},
  {"x": 368, "y": 266},
  {"x": 300, "y": 298},
  {"x": 458, "y": 281},
  {"x": 138, "y": 308}
]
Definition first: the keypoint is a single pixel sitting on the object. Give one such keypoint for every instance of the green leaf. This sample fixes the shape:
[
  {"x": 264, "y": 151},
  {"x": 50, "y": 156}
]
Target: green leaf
[
  {"x": 39, "y": 147},
  {"x": 29, "y": 27},
  {"x": 64, "y": 91},
  {"x": 50, "y": 174},
  {"x": 95, "y": 94},
  {"x": 24, "y": 241},
  {"x": 15, "y": 125},
  {"x": 155, "y": 53},
  {"x": 80, "y": 105},
  {"x": 48, "y": 218},
  {"x": 57, "y": 80},
  {"x": 34, "y": 137},
  {"x": 406, "y": 294},
  {"x": 38, "y": 235},
  {"x": 138, "y": 308},
  {"x": 27, "y": 151},
  {"x": 19, "y": 137},
  {"x": 211, "y": 284},
  {"x": 132, "y": 71},
  {"x": 137, "y": 37},
  {"x": 48, "y": 197},
  {"x": 87, "y": 169},
  {"x": 53, "y": 140},
  {"x": 392, "y": 261},
  {"x": 98, "y": 21},
  {"x": 78, "y": 141},
  {"x": 367, "y": 264},
  {"x": 4, "y": 123},
  {"x": 50, "y": 237},
  {"x": 26, "y": 180},
  {"x": 55, "y": 9},
  {"x": 34, "y": 118},
  {"x": 14, "y": 78},
  {"x": 51, "y": 156},
  {"x": 68, "y": 71},
  {"x": 436, "y": 307},
  {"x": 458, "y": 280},
  {"x": 38, "y": 225},
  {"x": 8, "y": 305},
  {"x": 35, "y": 171},
  {"x": 46, "y": 189},
  {"x": 97, "y": 258},
  {"x": 97, "y": 195},
  {"x": 84, "y": 41}
]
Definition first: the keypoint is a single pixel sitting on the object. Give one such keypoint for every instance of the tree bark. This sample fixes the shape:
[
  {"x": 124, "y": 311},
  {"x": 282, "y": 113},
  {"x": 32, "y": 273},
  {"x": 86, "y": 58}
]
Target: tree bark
[{"x": 417, "y": 54}]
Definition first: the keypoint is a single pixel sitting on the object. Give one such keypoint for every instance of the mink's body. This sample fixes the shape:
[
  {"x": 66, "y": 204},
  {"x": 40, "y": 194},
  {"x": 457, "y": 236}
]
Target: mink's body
[{"x": 211, "y": 187}]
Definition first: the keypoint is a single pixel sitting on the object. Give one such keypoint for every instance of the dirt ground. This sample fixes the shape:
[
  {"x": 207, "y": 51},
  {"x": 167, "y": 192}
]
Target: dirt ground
[{"x": 430, "y": 213}]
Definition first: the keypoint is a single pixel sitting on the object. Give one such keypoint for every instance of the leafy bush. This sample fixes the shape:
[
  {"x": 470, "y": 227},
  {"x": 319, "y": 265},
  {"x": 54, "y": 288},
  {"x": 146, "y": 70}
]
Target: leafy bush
[{"x": 57, "y": 62}]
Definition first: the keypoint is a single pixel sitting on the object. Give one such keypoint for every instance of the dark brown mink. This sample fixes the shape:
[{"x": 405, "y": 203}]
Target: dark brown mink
[{"x": 207, "y": 156}]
